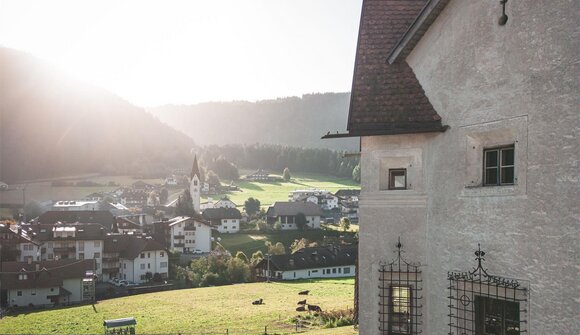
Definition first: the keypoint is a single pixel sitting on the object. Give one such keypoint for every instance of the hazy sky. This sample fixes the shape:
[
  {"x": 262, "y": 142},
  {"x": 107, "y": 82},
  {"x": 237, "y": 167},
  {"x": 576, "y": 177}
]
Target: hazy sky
[{"x": 158, "y": 52}]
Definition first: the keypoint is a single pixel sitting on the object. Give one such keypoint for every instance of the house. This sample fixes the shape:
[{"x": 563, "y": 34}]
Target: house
[
  {"x": 285, "y": 212},
  {"x": 48, "y": 283},
  {"x": 224, "y": 203},
  {"x": 258, "y": 175},
  {"x": 141, "y": 258},
  {"x": 134, "y": 198},
  {"x": 104, "y": 218},
  {"x": 468, "y": 117},
  {"x": 16, "y": 244},
  {"x": 318, "y": 262},
  {"x": 68, "y": 241},
  {"x": 184, "y": 234},
  {"x": 323, "y": 198},
  {"x": 125, "y": 225},
  {"x": 349, "y": 209},
  {"x": 348, "y": 194},
  {"x": 225, "y": 219},
  {"x": 76, "y": 205}
]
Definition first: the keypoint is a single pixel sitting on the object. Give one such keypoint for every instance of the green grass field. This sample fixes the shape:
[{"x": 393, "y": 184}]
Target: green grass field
[
  {"x": 197, "y": 311},
  {"x": 252, "y": 242},
  {"x": 268, "y": 193}
]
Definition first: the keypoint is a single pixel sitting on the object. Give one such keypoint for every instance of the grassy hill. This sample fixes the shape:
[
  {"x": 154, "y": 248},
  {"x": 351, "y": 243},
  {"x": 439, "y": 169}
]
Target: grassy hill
[{"x": 196, "y": 311}]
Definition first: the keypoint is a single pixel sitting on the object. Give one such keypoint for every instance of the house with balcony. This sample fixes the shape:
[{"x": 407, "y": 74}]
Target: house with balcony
[
  {"x": 225, "y": 219},
  {"x": 184, "y": 234},
  {"x": 285, "y": 212},
  {"x": 140, "y": 258}
]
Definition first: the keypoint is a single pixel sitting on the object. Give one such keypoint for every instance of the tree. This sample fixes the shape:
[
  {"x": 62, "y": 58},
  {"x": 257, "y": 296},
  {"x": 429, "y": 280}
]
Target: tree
[
  {"x": 225, "y": 169},
  {"x": 356, "y": 173},
  {"x": 184, "y": 205},
  {"x": 286, "y": 174},
  {"x": 275, "y": 249},
  {"x": 212, "y": 179},
  {"x": 252, "y": 206},
  {"x": 277, "y": 225},
  {"x": 262, "y": 225},
  {"x": 257, "y": 257},
  {"x": 241, "y": 255},
  {"x": 163, "y": 195},
  {"x": 298, "y": 244},
  {"x": 237, "y": 271},
  {"x": 300, "y": 221},
  {"x": 345, "y": 224}
]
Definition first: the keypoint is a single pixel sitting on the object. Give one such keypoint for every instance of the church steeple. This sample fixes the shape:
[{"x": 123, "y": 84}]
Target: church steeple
[
  {"x": 195, "y": 186},
  {"x": 195, "y": 169}
]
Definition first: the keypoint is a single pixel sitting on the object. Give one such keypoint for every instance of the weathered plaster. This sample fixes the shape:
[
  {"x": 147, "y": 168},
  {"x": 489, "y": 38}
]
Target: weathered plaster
[{"x": 491, "y": 84}]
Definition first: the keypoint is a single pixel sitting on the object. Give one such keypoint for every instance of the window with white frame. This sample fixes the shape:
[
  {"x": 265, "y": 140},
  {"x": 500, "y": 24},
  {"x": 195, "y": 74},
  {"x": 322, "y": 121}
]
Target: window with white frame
[{"x": 498, "y": 165}]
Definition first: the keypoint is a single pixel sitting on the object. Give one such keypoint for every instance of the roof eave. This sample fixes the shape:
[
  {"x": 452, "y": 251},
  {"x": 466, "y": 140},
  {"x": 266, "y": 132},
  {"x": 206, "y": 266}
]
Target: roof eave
[{"x": 388, "y": 131}]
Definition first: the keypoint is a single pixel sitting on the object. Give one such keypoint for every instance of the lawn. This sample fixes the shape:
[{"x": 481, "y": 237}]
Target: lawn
[
  {"x": 268, "y": 193},
  {"x": 196, "y": 311},
  {"x": 252, "y": 242}
]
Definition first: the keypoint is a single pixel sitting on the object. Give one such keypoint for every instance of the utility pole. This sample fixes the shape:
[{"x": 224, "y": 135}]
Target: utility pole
[{"x": 268, "y": 271}]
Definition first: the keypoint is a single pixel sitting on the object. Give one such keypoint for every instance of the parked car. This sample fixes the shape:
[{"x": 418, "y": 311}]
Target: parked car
[
  {"x": 122, "y": 283},
  {"x": 113, "y": 281},
  {"x": 197, "y": 251}
]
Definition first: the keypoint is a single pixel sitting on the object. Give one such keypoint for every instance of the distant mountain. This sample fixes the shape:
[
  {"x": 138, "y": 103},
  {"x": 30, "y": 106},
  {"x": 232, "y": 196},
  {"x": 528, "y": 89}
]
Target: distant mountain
[
  {"x": 51, "y": 125},
  {"x": 298, "y": 122}
]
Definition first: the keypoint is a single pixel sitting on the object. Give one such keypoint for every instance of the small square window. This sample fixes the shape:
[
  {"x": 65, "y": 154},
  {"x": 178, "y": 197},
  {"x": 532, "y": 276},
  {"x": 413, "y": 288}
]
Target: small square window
[
  {"x": 498, "y": 166},
  {"x": 397, "y": 179}
]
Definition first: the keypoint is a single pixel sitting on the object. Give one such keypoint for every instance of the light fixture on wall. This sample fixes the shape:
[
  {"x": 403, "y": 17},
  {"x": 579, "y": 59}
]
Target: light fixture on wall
[{"x": 503, "y": 18}]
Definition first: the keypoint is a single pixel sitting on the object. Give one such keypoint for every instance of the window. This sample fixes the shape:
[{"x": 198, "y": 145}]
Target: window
[
  {"x": 124, "y": 265},
  {"x": 498, "y": 164},
  {"x": 148, "y": 255},
  {"x": 333, "y": 270},
  {"x": 97, "y": 244},
  {"x": 81, "y": 245},
  {"x": 400, "y": 316},
  {"x": 346, "y": 270},
  {"x": 97, "y": 255},
  {"x": 142, "y": 266},
  {"x": 50, "y": 256},
  {"x": 22, "y": 276},
  {"x": 162, "y": 254},
  {"x": 163, "y": 265},
  {"x": 81, "y": 255},
  {"x": 149, "y": 265},
  {"x": 397, "y": 179},
  {"x": 142, "y": 255},
  {"x": 496, "y": 316},
  {"x": 19, "y": 293},
  {"x": 194, "y": 182},
  {"x": 49, "y": 244}
]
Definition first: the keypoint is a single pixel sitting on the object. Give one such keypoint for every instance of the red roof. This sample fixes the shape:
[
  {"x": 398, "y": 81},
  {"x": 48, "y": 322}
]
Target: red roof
[{"x": 387, "y": 98}]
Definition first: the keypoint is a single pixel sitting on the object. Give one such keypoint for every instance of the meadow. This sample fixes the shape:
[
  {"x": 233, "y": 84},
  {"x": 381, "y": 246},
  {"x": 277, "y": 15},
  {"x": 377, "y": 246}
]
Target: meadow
[
  {"x": 211, "y": 310},
  {"x": 270, "y": 192}
]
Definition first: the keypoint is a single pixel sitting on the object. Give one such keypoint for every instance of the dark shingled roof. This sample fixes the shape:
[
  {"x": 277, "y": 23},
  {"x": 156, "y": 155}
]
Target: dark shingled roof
[
  {"x": 104, "y": 218},
  {"x": 293, "y": 208},
  {"x": 50, "y": 274},
  {"x": 310, "y": 258},
  {"x": 84, "y": 231},
  {"x": 347, "y": 193},
  {"x": 139, "y": 244},
  {"x": 221, "y": 213},
  {"x": 387, "y": 98}
]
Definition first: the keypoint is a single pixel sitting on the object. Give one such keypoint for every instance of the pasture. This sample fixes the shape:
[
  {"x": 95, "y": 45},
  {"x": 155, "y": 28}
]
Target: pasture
[{"x": 196, "y": 311}]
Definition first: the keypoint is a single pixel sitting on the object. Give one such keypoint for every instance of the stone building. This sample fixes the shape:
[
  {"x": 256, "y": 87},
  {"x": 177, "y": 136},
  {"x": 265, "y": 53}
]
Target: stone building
[{"x": 468, "y": 127}]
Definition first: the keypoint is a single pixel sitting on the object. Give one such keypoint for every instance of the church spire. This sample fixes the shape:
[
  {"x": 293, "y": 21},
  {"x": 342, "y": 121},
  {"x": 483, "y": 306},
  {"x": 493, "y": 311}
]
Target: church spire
[{"x": 195, "y": 169}]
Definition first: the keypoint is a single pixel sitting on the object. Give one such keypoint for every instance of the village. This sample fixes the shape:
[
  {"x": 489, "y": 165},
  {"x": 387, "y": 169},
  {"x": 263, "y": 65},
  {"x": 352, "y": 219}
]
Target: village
[{"x": 107, "y": 250}]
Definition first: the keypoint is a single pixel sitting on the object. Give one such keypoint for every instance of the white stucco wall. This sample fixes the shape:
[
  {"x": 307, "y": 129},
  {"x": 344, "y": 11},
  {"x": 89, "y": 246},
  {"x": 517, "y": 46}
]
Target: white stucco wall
[
  {"x": 326, "y": 272},
  {"x": 138, "y": 267},
  {"x": 202, "y": 237},
  {"x": 516, "y": 84},
  {"x": 229, "y": 226}
]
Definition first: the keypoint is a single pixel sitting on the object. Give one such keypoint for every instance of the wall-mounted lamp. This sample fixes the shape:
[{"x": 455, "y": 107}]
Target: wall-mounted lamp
[{"x": 503, "y": 18}]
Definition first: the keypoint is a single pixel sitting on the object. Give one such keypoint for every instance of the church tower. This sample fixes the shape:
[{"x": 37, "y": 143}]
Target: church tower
[{"x": 195, "y": 186}]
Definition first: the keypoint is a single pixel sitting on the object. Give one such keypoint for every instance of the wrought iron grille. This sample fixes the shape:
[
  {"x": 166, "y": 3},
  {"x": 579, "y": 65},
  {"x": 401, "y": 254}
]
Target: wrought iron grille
[
  {"x": 400, "y": 299},
  {"x": 480, "y": 303}
]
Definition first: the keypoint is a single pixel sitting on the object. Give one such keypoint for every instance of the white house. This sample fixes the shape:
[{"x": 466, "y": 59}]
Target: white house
[
  {"x": 48, "y": 283},
  {"x": 224, "y": 219},
  {"x": 224, "y": 203},
  {"x": 286, "y": 212},
  {"x": 186, "y": 234},
  {"x": 318, "y": 262},
  {"x": 76, "y": 205},
  {"x": 142, "y": 257}
]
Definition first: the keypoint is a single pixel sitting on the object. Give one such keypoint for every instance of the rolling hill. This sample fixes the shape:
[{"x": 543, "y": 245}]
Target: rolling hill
[
  {"x": 52, "y": 125},
  {"x": 292, "y": 121}
]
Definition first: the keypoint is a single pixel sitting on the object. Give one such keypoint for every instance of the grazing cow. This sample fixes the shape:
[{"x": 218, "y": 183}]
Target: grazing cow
[
  {"x": 300, "y": 309},
  {"x": 302, "y": 302},
  {"x": 303, "y": 292},
  {"x": 314, "y": 308},
  {"x": 257, "y": 302}
]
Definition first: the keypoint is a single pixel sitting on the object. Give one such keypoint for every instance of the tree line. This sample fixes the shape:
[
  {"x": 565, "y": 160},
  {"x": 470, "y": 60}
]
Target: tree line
[{"x": 224, "y": 160}]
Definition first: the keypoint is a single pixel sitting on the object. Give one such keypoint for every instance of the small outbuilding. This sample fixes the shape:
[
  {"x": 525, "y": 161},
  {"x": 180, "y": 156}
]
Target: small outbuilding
[{"x": 120, "y": 326}]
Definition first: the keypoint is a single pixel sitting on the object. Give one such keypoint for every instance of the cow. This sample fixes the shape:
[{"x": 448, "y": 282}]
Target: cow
[
  {"x": 303, "y": 292},
  {"x": 314, "y": 308},
  {"x": 300, "y": 309},
  {"x": 302, "y": 302},
  {"x": 257, "y": 302}
]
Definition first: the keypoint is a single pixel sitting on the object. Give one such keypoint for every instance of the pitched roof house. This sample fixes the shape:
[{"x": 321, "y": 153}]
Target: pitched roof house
[
  {"x": 224, "y": 219},
  {"x": 104, "y": 218},
  {"x": 468, "y": 118},
  {"x": 46, "y": 283},
  {"x": 286, "y": 211},
  {"x": 317, "y": 262}
]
